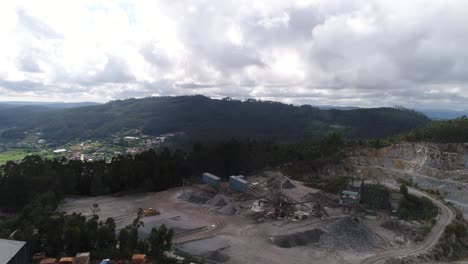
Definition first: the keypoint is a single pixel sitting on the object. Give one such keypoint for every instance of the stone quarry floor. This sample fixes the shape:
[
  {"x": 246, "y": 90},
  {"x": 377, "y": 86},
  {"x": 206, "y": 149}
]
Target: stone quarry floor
[{"x": 202, "y": 230}]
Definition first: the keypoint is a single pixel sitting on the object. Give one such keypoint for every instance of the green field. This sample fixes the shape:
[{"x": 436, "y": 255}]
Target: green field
[
  {"x": 19, "y": 154},
  {"x": 13, "y": 154}
]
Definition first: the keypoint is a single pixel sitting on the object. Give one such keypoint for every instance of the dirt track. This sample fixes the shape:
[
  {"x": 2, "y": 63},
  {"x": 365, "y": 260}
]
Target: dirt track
[{"x": 446, "y": 215}]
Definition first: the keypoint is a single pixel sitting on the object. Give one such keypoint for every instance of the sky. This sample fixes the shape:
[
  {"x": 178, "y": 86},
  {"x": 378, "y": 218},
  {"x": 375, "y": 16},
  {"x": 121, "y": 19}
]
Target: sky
[{"x": 321, "y": 52}]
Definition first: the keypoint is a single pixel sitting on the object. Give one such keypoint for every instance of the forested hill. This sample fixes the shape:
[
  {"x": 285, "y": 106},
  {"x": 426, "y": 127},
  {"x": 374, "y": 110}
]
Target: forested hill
[
  {"x": 447, "y": 131},
  {"x": 203, "y": 118}
]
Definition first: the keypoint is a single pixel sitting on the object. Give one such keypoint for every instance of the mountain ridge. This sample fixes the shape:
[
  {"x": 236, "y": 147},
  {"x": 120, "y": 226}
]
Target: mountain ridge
[{"x": 204, "y": 118}]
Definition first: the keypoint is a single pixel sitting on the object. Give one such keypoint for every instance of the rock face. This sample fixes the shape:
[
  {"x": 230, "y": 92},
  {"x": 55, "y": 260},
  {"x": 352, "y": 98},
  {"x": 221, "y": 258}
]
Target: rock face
[{"x": 442, "y": 167}]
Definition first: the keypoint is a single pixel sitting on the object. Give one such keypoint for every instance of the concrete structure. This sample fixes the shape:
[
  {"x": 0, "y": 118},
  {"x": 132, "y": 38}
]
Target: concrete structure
[
  {"x": 13, "y": 252},
  {"x": 237, "y": 183},
  {"x": 82, "y": 258},
  {"x": 352, "y": 194},
  {"x": 212, "y": 180},
  {"x": 395, "y": 200}
]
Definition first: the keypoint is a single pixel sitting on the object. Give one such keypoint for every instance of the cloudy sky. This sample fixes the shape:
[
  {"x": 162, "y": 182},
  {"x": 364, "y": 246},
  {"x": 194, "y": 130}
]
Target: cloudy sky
[{"x": 360, "y": 53}]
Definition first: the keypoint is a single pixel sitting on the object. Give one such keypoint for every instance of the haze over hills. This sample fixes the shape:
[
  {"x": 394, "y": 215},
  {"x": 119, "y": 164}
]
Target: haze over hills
[
  {"x": 46, "y": 104},
  {"x": 203, "y": 118},
  {"x": 436, "y": 114}
]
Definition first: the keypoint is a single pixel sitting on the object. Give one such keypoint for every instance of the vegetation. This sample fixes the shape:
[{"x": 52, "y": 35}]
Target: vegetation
[
  {"x": 205, "y": 119},
  {"x": 376, "y": 196},
  {"x": 58, "y": 233},
  {"x": 12, "y": 154},
  {"x": 449, "y": 131},
  {"x": 155, "y": 171},
  {"x": 416, "y": 208},
  {"x": 453, "y": 245},
  {"x": 34, "y": 186},
  {"x": 332, "y": 185}
]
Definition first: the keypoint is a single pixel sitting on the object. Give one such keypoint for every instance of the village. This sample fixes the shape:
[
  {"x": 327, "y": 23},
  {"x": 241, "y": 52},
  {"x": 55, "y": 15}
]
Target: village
[
  {"x": 129, "y": 142},
  {"x": 234, "y": 221}
]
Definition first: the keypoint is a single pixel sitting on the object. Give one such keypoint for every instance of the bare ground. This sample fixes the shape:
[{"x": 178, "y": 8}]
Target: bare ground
[{"x": 245, "y": 240}]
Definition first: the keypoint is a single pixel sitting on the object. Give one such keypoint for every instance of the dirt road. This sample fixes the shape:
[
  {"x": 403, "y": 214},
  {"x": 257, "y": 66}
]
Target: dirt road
[{"x": 446, "y": 215}]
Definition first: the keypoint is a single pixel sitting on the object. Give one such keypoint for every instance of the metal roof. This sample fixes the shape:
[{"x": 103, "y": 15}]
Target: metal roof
[
  {"x": 207, "y": 174},
  {"x": 350, "y": 193},
  {"x": 9, "y": 248}
]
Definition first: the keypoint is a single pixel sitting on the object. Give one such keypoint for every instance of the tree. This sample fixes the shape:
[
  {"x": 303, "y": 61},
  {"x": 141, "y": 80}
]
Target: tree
[
  {"x": 404, "y": 190},
  {"x": 137, "y": 222},
  {"x": 124, "y": 242},
  {"x": 106, "y": 234},
  {"x": 160, "y": 241}
]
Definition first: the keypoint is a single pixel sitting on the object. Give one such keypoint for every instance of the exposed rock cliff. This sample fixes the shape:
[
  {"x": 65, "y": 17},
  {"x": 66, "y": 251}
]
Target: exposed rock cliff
[{"x": 442, "y": 167}]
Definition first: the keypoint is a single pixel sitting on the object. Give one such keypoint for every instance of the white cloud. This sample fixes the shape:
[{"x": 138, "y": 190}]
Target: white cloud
[{"x": 367, "y": 53}]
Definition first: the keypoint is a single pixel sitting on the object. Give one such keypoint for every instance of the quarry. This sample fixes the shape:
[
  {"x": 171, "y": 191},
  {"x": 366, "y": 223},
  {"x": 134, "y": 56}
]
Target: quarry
[
  {"x": 442, "y": 168},
  {"x": 267, "y": 218}
]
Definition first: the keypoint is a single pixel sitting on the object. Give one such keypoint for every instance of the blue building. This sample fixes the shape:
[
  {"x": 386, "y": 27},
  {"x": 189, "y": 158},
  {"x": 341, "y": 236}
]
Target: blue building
[
  {"x": 238, "y": 183},
  {"x": 212, "y": 180}
]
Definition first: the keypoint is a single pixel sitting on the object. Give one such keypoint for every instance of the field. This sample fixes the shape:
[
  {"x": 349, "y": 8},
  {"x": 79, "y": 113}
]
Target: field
[
  {"x": 13, "y": 154},
  {"x": 19, "y": 154}
]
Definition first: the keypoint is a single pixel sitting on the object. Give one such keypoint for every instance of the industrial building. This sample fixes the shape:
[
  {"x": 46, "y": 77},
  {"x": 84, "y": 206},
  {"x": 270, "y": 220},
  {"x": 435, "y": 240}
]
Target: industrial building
[
  {"x": 13, "y": 252},
  {"x": 212, "y": 180},
  {"x": 238, "y": 183},
  {"x": 352, "y": 194},
  {"x": 395, "y": 200}
]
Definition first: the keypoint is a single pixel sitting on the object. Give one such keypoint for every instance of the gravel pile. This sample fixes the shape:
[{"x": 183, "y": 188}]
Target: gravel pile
[
  {"x": 226, "y": 205},
  {"x": 348, "y": 235},
  {"x": 298, "y": 239},
  {"x": 325, "y": 199},
  {"x": 287, "y": 184},
  {"x": 202, "y": 247},
  {"x": 219, "y": 200},
  {"x": 216, "y": 256},
  {"x": 194, "y": 197},
  {"x": 404, "y": 228}
]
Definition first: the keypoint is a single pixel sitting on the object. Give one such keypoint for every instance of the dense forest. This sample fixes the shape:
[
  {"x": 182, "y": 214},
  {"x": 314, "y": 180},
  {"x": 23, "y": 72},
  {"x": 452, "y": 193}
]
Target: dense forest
[
  {"x": 202, "y": 118},
  {"x": 448, "y": 131},
  {"x": 33, "y": 187},
  {"x": 21, "y": 181}
]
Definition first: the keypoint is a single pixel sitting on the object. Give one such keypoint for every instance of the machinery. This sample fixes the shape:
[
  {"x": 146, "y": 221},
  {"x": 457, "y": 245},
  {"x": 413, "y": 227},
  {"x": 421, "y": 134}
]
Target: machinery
[{"x": 150, "y": 212}]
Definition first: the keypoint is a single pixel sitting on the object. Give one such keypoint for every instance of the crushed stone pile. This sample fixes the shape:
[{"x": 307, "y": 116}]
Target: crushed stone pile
[
  {"x": 348, "y": 235},
  {"x": 217, "y": 256},
  {"x": 194, "y": 197},
  {"x": 226, "y": 205},
  {"x": 325, "y": 199},
  {"x": 298, "y": 239},
  {"x": 402, "y": 227},
  {"x": 230, "y": 209},
  {"x": 219, "y": 200},
  {"x": 202, "y": 247},
  {"x": 287, "y": 184}
]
